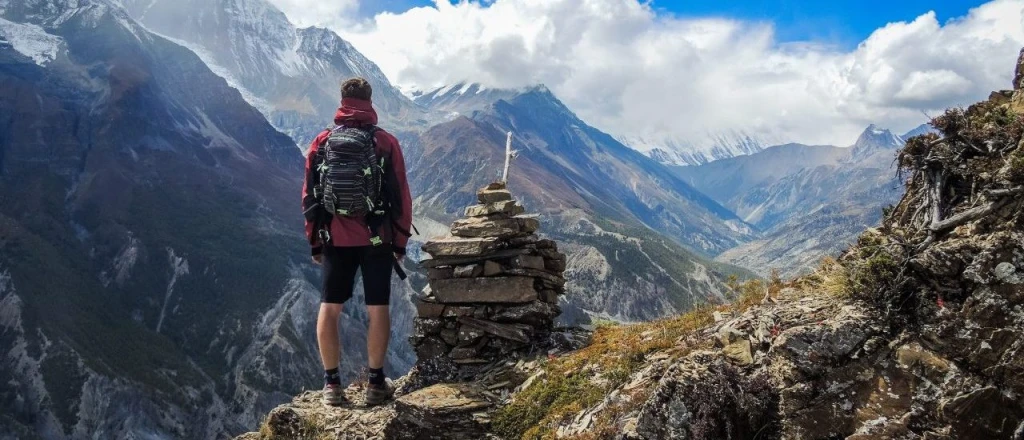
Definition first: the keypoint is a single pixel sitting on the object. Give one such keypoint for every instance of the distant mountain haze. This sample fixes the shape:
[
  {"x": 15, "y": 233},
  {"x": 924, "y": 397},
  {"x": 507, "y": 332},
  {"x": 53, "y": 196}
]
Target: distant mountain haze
[{"x": 807, "y": 201}]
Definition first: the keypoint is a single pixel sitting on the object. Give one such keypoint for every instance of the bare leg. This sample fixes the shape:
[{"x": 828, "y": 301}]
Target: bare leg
[
  {"x": 327, "y": 335},
  {"x": 379, "y": 332}
]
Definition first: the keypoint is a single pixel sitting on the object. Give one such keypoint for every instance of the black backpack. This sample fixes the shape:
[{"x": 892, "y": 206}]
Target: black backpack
[{"x": 351, "y": 174}]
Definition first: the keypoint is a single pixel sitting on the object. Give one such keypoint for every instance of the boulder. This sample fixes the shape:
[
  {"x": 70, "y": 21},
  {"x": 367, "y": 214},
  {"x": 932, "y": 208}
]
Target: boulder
[
  {"x": 555, "y": 265},
  {"x": 491, "y": 269},
  {"x": 450, "y": 336},
  {"x": 500, "y": 228},
  {"x": 444, "y": 411},
  {"x": 468, "y": 336},
  {"x": 549, "y": 296},
  {"x": 739, "y": 353},
  {"x": 529, "y": 262},
  {"x": 915, "y": 358},
  {"x": 547, "y": 244},
  {"x": 551, "y": 254},
  {"x": 487, "y": 196},
  {"x": 457, "y": 260},
  {"x": 460, "y": 246},
  {"x": 457, "y": 311},
  {"x": 468, "y": 271},
  {"x": 526, "y": 241},
  {"x": 513, "y": 332},
  {"x": 431, "y": 347},
  {"x": 440, "y": 273},
  {"x": 537, "y": 314},
  {"x": 428, "y": 309},
  {"x": 982, "y": 413},
  {"x": 505, "y": 208},
  {"x": 428, "y": 326},
  {"x": 464, "y": 353},
  {"x": 484, "y": 290}
]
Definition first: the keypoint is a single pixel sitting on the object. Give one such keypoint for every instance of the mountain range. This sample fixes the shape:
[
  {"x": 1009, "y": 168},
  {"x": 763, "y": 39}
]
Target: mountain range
[
  {"x": 807, "y": 201},
  {"x": 154, "y": 281},
  {"x": 703, "y": 148}
]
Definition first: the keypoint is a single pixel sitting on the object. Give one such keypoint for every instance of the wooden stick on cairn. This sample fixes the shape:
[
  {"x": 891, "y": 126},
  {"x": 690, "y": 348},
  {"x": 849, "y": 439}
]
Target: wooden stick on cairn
[{"x": 509, "y": 155}]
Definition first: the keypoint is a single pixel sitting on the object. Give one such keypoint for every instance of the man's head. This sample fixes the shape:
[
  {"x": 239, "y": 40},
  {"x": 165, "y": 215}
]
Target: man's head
[{"x": 357, "y": 88}]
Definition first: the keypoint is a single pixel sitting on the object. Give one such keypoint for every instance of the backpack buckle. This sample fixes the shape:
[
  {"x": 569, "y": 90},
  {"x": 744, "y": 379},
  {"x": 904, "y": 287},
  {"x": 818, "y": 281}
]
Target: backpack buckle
[{"x": 376, "y": 241}]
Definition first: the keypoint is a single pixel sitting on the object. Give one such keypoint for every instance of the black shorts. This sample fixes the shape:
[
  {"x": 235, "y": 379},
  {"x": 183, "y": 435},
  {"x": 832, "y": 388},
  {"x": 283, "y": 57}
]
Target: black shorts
[{"x": 340, "y": 265}]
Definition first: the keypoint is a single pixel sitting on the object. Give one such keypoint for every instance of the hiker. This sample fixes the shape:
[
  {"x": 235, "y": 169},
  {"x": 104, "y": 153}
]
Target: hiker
[{"x": 358, "y": 212}]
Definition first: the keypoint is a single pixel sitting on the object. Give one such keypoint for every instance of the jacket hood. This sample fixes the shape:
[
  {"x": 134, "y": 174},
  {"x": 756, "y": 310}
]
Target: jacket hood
[{"x": 355, "y": 112}]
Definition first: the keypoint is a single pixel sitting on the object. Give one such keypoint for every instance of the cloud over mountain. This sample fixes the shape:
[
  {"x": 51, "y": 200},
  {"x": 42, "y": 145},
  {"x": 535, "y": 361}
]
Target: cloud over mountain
[{"x": 629, "y": 69}]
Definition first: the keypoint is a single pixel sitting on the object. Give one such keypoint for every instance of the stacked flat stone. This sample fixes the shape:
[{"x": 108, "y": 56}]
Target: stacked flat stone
[{"x": 493, "y": 286}]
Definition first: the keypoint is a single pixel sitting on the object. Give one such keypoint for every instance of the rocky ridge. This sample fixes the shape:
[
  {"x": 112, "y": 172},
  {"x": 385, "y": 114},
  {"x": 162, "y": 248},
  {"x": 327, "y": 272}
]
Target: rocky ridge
[{"x": 913, "y": 333}]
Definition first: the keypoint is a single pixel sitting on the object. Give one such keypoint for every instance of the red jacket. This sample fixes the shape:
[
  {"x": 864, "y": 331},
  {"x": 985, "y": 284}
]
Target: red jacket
[{"x": 347, "y": 231}]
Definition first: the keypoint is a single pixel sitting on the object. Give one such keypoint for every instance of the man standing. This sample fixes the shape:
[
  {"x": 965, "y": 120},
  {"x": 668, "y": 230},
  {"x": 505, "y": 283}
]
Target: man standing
[{"x": 358, "y": 213}]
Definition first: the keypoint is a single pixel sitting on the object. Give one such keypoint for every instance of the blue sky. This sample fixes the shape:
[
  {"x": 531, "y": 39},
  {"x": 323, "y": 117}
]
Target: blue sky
[{"x": 842, "y": 23}]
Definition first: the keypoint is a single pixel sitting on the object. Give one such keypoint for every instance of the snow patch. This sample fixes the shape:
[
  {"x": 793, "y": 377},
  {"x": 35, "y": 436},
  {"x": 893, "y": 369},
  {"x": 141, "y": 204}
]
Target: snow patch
[{"x": 32, "y": 41}]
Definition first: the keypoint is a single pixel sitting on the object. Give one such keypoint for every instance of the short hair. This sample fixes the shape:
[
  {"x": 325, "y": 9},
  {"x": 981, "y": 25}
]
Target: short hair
[{"x": 357, "y": 88}]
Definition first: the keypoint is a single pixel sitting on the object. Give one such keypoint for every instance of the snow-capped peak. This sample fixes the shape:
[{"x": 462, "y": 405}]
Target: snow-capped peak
[
  {"x": 874, "y": 140},
  {"x": 464, "y": 97},
  {"x": 701, "y": 148}
]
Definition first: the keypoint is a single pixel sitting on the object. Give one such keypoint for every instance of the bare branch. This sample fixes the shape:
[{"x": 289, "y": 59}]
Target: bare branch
[{"x": 964, "y": 217}]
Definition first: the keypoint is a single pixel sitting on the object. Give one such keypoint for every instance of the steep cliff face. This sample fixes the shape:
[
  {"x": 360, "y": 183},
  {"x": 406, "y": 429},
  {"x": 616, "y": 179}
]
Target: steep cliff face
[{"x": 154, "y": 277}]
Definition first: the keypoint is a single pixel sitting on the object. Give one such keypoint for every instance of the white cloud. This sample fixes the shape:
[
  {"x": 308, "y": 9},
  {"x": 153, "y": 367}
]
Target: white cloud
[{"x": 627, "y": 70}]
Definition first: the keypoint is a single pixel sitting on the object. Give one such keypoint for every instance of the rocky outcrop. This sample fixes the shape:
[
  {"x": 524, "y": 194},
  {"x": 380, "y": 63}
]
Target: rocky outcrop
[
  {"x": 493, "y": 289},
  {"x": 914, "y": 333}
]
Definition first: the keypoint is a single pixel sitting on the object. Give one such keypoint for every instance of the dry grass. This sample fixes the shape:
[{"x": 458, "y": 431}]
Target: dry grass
[
  {"x": 831, "y": 278},
  {"x": 581, "y": 380}
]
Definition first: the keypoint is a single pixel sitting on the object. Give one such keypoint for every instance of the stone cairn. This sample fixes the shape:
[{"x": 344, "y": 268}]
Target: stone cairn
[{"x": 493, "y": 286}]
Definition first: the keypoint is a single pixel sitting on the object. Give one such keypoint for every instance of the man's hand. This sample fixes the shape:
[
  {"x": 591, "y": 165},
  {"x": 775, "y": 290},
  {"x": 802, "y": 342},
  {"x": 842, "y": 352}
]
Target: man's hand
[{"x": 318, "y": 259}]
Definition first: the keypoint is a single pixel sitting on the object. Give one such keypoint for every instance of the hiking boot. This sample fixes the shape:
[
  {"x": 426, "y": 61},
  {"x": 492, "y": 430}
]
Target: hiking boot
[
  {"x": 378, "y": 394},
  {"x": 334, "y": 395}
]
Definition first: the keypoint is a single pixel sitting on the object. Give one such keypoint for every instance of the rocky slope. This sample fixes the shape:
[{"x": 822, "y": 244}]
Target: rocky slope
[
  {"x": 153, "y": 279},
  {"x": 914, "y": 333}
]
